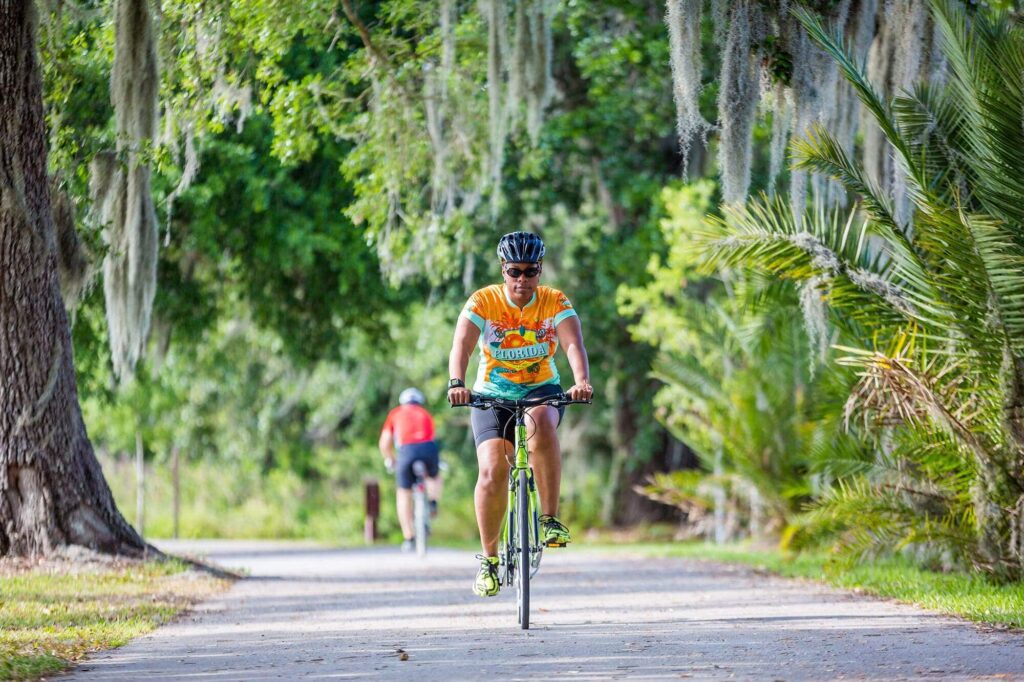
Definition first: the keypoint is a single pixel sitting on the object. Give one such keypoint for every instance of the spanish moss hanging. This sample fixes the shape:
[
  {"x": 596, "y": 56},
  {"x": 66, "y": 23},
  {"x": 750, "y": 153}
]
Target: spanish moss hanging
[
  {"x": 121, "y": 188},
  {"x": 800, "y": 87},
  {"x": 737, "y": 101},
  {"x": 683, "y": 18}
]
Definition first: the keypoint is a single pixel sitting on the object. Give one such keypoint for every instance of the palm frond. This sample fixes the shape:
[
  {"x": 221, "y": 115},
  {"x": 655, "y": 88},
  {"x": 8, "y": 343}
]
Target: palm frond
[
  {"x": 935, "y": 457},
  {"x": 764, "y": 235},
  {"x": 894, "y": 391},
  {"x": 688, "y": 374},
  {"x": 932, "y": 123},
  {"x": 1003, "y": 261},
  {"x": 975, "y": 265},
  {"x": 833, "y": 42},
  {"x": 840, "y": 456},
  {"x": 681, "y": 489},
  {"x": 986, "y": 58},
  {"x": 820, "y": 152},
  {"x": 872, "y": 519}
]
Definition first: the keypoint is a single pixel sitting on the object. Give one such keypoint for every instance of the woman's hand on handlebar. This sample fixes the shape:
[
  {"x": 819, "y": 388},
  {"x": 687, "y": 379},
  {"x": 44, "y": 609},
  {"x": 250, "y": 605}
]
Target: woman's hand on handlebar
[
  {"x": 459, "y": 395},
  {"x": 581, "y": 391}
]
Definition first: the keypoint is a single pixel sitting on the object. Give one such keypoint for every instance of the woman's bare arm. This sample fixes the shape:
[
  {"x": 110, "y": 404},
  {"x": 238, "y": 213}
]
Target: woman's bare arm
[
  {"x": 570, "y": 337},
  {"x": 466, "y": 336}
]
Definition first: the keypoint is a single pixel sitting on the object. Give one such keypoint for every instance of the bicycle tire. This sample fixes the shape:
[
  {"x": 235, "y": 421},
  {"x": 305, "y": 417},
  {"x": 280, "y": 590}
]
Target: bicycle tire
[
  {"x": 523, "y": 512},
  {"x": 420, "y": 516}
]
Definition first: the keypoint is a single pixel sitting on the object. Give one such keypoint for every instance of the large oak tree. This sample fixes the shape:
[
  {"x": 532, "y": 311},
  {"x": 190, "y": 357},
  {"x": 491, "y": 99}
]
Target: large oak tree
[{"x": 52, "y": 492}]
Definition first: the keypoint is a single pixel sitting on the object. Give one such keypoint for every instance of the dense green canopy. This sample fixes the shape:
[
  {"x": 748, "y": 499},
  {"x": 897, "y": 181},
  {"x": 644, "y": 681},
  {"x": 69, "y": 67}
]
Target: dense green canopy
[{"x": 329, "y": 185}]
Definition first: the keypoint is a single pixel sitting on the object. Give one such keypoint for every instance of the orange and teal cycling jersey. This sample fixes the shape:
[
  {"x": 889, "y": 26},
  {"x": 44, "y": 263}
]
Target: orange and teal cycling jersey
[{"x": 517, "y": 345}]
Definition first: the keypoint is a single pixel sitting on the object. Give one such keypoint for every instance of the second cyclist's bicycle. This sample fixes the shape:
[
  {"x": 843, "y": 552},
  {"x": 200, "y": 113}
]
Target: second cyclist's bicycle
[
  {"x": 420, "y": 507},
  {"x": 520, "y": 548}
]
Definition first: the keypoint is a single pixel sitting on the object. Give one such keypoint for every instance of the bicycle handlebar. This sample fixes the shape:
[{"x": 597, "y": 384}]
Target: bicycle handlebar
[{"x": 482, "y": 402}]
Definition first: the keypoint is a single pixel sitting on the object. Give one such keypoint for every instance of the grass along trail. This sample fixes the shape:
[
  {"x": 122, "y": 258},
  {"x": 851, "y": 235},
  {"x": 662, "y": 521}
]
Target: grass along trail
[{"x": 55, "y": 612}]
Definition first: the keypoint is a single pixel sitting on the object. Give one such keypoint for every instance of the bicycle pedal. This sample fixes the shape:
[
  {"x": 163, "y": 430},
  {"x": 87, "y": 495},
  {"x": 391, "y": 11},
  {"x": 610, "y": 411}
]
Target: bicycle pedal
[{"x": 555, "y": 544}]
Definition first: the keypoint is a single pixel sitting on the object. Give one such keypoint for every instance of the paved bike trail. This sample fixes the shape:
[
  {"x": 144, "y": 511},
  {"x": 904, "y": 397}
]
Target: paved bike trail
[{"x": 319, "y": 613}]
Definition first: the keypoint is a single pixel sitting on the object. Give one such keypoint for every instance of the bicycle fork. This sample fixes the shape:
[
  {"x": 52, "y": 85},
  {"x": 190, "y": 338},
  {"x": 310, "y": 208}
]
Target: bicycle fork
[{"x": 522, "y": 463}]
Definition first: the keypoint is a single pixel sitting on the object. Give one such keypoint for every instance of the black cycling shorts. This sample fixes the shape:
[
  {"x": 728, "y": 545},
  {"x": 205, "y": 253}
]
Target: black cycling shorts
[
  {"x": 499, "y": 422},
  {"x": 426, "y": 452}
]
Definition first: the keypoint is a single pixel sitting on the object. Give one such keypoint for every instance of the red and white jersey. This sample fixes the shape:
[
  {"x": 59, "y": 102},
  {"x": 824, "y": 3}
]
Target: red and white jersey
[{"x": 409, "y": 424}]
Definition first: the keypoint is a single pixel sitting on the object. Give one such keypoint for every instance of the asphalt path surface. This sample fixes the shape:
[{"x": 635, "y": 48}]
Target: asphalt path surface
[{"x": 319, "y": 613}]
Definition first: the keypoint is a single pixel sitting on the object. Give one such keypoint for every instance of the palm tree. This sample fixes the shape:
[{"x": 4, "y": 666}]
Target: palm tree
[
  {"x": 741, "y": 398},
  {"x": 736, "y": 387},
  {"x": 932, "y": 307}
]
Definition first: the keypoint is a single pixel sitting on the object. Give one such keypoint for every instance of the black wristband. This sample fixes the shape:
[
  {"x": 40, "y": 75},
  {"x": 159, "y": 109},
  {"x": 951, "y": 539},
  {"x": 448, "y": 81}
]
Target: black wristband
[{"x": 456, "y": 383}]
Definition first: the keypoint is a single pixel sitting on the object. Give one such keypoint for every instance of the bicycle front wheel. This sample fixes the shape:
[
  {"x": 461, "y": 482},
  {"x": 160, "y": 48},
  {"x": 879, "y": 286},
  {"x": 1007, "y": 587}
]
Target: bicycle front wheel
[{"x": 523, "y": 518}]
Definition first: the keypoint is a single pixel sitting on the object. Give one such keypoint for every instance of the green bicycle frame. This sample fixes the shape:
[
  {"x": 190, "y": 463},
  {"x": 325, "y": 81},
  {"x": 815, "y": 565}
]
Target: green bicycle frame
[
  {"x": 521, "y": 550},
  {"x": 521, "y": 463}
]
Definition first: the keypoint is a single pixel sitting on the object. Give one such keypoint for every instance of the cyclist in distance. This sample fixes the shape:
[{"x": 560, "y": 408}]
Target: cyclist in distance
[
  {"x": 410, "y": 428},
  {"x": 517, "y": 325}
]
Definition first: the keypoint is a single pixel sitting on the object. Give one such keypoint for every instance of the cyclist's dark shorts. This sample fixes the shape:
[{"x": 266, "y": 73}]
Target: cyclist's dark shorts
[
  {"x": 498, "y": 422},
  {"x": 427, "y": 452}
]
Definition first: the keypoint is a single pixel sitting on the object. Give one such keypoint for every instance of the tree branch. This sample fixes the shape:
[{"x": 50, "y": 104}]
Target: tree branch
[{"x": 364, "y": 34}]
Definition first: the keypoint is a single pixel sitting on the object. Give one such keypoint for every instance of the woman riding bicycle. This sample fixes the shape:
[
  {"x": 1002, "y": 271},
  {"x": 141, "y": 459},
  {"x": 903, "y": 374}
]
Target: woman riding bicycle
[{"x": 518, "y": 325}]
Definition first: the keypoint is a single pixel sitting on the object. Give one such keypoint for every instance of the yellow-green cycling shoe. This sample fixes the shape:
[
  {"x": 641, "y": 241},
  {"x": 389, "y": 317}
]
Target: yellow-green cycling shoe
[
  {"x": 553, "y": 533},
  {"x": 487, "y": 584}
]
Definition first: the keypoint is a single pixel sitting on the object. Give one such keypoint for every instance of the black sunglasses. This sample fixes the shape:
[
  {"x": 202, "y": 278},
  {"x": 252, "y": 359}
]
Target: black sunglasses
[{"x": 530, "y": 272}]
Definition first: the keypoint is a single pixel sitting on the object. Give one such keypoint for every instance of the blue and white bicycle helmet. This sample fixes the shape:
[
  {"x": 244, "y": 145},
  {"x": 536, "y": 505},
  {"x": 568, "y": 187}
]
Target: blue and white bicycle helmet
[
  {"x": 521, "y": 247},
  {"x": 411, "y": 395}
]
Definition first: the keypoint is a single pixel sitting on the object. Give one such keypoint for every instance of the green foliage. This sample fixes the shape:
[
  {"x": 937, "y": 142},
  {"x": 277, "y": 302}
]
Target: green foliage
[
  {"x": 376, "y": 101},
  {"x": 777, "y": 61},
  {"x": 618, "y": 97},
  {"x": 693, "y": 492},
  {"x": 276, "y": 236},
  {"x": 736, "y": 388},
  {"x": 236, "y": 500},
  {"x": 272, "y": 448},
  {"x": 278, "y": 345},
  {"x": 930, "y": 310}
]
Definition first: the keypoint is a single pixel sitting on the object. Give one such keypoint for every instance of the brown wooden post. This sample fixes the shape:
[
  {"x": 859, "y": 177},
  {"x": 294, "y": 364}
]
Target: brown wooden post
[{"x": 371, "y": 494}]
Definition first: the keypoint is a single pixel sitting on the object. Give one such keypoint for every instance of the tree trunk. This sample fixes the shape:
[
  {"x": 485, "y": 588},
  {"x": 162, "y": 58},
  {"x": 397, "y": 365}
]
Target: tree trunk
[
  {"x": 998, "y": 492},
  {"x": 52, "y": 491},
  {"x": 176, "y": 479},
  {"x": 1013, "y": 424},
  {"x": 630, "y": 507},
  {"x": 140, "y": 485}
]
